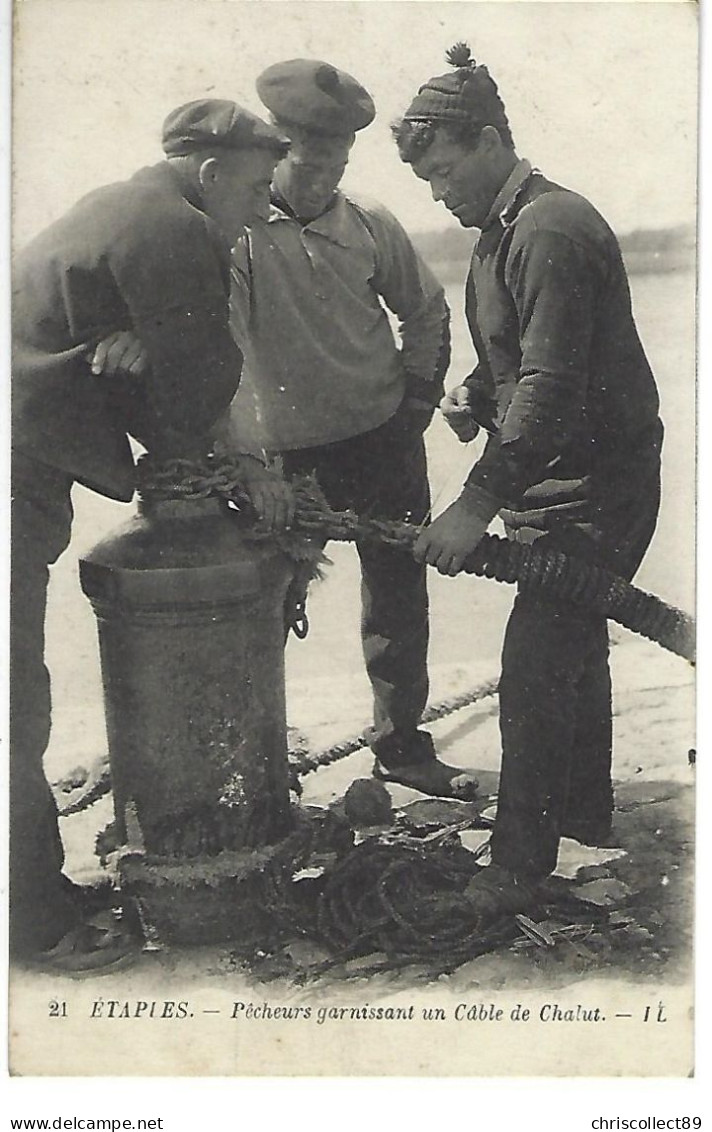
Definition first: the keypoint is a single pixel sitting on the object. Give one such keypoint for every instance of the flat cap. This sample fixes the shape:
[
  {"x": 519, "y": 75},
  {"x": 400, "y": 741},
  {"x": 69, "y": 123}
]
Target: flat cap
[
  {"x": 216, "y": 122},
  {"x": 316, "y": 95}
]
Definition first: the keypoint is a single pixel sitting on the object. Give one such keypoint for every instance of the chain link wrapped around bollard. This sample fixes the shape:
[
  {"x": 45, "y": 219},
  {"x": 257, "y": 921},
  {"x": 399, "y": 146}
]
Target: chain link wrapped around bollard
[
  {"x": 186, "y": 479},
  {"x": 552, "y": 573}
]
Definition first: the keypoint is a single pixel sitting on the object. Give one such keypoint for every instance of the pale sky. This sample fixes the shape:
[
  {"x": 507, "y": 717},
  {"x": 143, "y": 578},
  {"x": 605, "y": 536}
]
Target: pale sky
[{"x": 601, "y": 96}]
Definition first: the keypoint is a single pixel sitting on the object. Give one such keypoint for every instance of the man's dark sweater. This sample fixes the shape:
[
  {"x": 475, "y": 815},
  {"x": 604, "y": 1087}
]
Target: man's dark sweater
[
  {"x": 130, "y": 256},
  {"x": 563, "y": 382}
]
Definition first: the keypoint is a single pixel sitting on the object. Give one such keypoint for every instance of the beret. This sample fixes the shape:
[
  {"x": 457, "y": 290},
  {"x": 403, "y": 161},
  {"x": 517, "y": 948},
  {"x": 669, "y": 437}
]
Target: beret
[
  {"x": 316, "y": 95},
  {"x": 216, "y": 122}
]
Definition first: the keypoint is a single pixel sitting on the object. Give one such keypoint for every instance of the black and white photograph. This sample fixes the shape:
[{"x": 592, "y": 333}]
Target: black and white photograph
[{"x": 352, "y": 637}]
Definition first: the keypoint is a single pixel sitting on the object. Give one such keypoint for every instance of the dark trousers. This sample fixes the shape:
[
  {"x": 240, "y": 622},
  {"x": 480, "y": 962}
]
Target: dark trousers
[
  {"x": 383, "y": 474},
  {"x": 41, "y": 908},
  {"x": 555, "y": 693}
]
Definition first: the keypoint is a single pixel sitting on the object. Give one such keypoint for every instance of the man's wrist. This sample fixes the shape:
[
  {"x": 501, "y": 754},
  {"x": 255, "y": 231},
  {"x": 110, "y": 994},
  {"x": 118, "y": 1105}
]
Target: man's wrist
[{"x": 480, "y": 502}]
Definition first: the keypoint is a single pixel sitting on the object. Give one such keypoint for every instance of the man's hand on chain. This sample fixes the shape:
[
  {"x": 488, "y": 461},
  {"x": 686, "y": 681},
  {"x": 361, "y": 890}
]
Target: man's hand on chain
[
  {"x": 120, "y": 354},
  {"x": 271, "y": 496}
]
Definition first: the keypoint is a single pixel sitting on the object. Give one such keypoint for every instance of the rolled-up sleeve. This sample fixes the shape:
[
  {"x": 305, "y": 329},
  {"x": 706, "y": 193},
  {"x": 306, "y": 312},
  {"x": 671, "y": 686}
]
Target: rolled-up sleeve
[{"x": 554, "y": 283}]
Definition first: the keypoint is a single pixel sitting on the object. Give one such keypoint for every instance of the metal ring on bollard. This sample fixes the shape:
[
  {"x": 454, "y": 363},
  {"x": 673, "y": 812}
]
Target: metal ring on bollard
[{"x": 299, "y": 622}]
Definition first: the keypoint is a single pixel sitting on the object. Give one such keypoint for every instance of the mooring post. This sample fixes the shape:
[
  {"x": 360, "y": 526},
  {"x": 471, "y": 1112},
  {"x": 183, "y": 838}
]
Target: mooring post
[{"x": 191, "y": 632}]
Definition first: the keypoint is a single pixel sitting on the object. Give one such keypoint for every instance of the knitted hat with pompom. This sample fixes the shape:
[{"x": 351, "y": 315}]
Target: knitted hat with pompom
[{"x": 467, "y": 94}]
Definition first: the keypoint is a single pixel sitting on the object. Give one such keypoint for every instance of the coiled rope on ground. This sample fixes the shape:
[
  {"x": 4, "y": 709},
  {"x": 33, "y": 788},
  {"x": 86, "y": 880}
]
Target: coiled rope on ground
[{"x": 403, "y": 900}]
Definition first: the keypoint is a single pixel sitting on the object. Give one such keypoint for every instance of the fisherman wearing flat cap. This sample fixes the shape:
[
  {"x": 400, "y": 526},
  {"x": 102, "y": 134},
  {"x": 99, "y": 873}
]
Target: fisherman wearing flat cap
[
  {"x": 334, "y": 392},
  {"x": 572, "y": 460},
  {"x": 120, "y": 328}
]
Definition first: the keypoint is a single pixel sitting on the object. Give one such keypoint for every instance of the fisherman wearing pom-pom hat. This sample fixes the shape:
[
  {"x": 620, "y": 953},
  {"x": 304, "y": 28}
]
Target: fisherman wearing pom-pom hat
[
  {"x": 565, "y": 392},
  {"x": 335, "y": 392}
]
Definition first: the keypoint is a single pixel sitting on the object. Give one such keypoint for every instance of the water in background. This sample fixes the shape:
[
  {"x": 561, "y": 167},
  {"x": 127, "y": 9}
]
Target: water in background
[{"x": 467, "y": 614}]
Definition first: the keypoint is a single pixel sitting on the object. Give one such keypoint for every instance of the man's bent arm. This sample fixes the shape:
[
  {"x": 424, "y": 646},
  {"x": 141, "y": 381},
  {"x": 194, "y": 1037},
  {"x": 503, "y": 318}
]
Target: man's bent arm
[
  {"x": 554, "y": 286},
  {"x": 411, "y": 291}
]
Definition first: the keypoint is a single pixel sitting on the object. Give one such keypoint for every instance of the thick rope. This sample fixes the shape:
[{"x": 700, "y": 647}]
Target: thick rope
[
  {"x": 550, "y": 573},
  {"x": 304, "y": 762}
]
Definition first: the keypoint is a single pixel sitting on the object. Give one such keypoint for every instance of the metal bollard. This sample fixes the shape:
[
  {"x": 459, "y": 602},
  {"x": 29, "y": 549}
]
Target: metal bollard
[{"x": 191, "y": 633}]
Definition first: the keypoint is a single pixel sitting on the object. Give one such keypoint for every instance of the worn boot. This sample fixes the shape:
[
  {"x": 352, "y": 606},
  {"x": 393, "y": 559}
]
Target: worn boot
[
  {"x": 411, "y": 761},
  {"x": 495, "y": 893}
]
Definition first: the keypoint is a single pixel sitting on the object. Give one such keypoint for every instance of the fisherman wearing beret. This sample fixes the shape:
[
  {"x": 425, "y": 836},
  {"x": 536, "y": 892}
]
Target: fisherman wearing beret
[
  {"x": 332, "y": 391},
  {"x": 564, "y": 390},
  {"x": 145, "y": 261}
]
